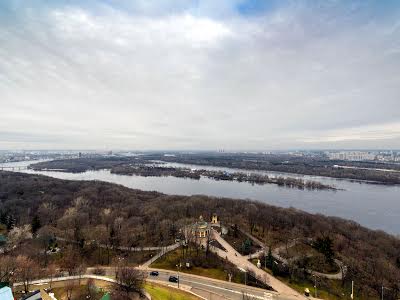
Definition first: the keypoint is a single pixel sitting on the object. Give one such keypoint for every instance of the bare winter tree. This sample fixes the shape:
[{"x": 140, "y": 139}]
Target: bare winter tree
[
  {"x": 8, "y": 267},
  {"x": 70, "y": 286},
  {"x": 69, "y": 262},
  {"x": 91, "y": 288},
  {"x": 80, "y": 271},
  {"x": 18, "y": 235},
  {"x": 51, "y": 271},
  {"x": 26, "y": 271},
  {"x": 130, "y": 280}
]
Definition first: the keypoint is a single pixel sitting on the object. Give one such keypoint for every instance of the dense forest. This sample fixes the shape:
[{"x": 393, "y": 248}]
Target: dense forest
[
  {"x": 114, "y": 215},
  {"x": 79, "y": 165}
]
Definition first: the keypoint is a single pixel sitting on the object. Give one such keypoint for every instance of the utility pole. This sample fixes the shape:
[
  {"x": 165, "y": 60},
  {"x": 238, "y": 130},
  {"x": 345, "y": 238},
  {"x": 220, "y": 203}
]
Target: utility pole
[
  {"x": 265, "y": 257},
  {"x": 383, "y": 287},
  {"x": 245, "y": 275},
  {"x": 315, "y": 286},
  {"x": 352, "y": 290},
  {"x": 179, "y": 267}
]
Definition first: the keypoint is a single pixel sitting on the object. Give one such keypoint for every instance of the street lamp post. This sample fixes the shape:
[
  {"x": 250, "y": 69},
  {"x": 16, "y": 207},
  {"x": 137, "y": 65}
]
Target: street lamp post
[
  {"x": 315, "y": 286},
  {"x": 383, "y": 289},
  {"x": 179, "y": 267},
  {"x": 245, "y": 274},
  {"x": 352, "y": 290},
  {"x": 265, "y": 257}
]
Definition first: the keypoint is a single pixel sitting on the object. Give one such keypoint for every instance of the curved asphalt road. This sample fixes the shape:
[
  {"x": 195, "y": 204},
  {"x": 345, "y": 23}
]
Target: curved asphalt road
[{"x": 215, "y": 289}]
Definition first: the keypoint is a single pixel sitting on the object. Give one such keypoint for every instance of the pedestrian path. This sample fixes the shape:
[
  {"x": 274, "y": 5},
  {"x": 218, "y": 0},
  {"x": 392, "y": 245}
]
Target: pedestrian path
[{"x": 241, "y": 262}]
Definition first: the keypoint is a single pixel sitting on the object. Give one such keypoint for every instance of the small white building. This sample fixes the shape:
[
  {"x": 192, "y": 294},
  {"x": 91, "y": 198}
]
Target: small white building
[
  {"x": 214, "y": 219},
  {"x": 201, "y": 229}
]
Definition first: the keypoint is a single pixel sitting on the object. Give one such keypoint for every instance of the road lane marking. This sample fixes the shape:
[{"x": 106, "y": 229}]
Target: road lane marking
[{"x": 226, "y": 289}]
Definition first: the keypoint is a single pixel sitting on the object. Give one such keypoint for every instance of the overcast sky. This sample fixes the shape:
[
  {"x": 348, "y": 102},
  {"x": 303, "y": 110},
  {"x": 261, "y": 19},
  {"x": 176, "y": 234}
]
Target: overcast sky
[{"x": 181, "y": 74}]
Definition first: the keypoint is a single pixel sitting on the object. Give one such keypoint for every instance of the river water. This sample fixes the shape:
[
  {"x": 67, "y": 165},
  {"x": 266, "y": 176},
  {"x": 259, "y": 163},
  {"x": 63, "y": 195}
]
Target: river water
[{"x": 372, "y": 205}]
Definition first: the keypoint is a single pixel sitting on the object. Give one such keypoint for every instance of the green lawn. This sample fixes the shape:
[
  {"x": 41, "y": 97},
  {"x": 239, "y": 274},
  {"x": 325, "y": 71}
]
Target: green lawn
[
  {"x": 78, "y": 292},
  {"x": 300, "y": 286},
  {"x": 159, "y": 292},
  {"x": 94, "y": 256},
  {"x": 239, "y": 240},
  {"x": 322, "y": 293},
  {"x": 216, "y": 269}
]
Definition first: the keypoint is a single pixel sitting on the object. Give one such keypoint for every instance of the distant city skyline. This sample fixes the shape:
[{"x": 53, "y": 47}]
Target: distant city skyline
[{"x": 199, "y": 75}]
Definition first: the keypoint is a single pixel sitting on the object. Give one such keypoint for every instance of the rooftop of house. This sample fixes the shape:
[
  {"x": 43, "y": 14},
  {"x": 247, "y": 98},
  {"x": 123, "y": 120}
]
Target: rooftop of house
[
  {"x": 3, "y": 238},
  {"x": 36, "y": 295},
  {"x": 106, "y": 297},
  {"x": 33, "y": 295},
  {"x": 201, "y": 224},
  {"x": 6, "y": 293}
]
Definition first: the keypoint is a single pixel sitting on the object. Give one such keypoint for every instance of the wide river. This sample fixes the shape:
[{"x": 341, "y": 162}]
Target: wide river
[{"x": 372, "y": 205}]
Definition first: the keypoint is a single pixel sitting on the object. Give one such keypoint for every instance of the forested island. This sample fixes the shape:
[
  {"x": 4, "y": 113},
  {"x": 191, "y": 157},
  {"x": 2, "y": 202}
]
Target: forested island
[
  {"x": 365, "y": 171},
  {"x": 113, "y": 215},
  {"x": 316, "y": 166},
  {"x": 145, "y": 167}
]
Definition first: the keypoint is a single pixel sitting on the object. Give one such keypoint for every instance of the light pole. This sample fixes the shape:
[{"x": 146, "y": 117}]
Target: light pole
[
  {"x": 315, "y": 286},
  {"x": 383, "y": 289},
  {"x": 265, "y": 258},
  {"x": 245, "y": 275},
  {"x": 275, "y": 264},
  {"x": 352, "y": 290},
  {"x": 179, "y": 267},
  {"x": 119, "y": 264}
]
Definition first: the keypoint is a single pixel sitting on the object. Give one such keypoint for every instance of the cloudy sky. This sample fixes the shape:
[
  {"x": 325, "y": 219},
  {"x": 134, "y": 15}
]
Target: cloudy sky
[{"x": 194, "y": 74}]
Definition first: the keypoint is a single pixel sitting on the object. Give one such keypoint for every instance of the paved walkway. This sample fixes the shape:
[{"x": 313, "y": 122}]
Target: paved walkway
[
  {"x": 336, "y": 276},
  {"x": 276, "y": 251},
  {"x": 161, "y": 253},
  {"x": 240, "y": 261},
  {"x": 47, "y": 281},
  {"x": 122, "y": 248}
]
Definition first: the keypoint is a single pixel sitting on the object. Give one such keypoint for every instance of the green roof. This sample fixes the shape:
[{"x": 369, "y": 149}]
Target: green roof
[
  {"x": 3, "y": 284},
  {"x": 106, "y": 297}
]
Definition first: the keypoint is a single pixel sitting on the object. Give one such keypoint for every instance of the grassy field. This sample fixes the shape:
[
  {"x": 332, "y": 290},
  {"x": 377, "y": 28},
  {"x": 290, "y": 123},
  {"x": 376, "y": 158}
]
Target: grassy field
[
  {"x": 300, "y": 286},
  {"x": 93, "y": 256},
  {"x": 238, "y": 241},
  {"x": 78, "y": 292},
  {"x": 323, "y": 293},
  {"x": 159, "y": 292},
  {"x": 218, "y": 269}
]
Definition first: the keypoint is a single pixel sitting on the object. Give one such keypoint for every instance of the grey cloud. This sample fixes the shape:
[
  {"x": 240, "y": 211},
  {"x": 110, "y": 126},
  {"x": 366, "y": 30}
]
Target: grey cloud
[{"x": 132, "y": 77}]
